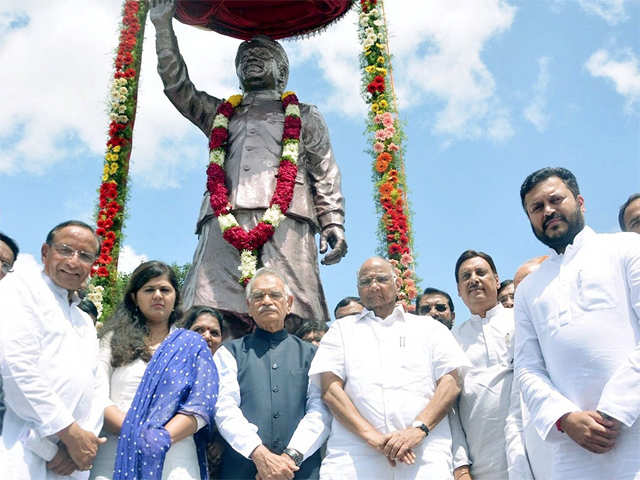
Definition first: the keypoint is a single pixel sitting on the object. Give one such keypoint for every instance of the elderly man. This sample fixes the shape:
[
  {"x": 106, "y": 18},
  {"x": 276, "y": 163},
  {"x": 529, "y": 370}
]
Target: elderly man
[
  {"x": 629, "y": 214},
  {"x": 8, "y": 254},
  {"x": 271, "y": 417},
  {"x": 578, "y": 342},
  {"x": 254, "y": 149},
  {"x": 48, "y": 360},
  {"x": 389, "y": 377},
  {"x": 437, "y": 304},
  {"x": 493, "y": 449},
  {"x": 347, "y": 306}
]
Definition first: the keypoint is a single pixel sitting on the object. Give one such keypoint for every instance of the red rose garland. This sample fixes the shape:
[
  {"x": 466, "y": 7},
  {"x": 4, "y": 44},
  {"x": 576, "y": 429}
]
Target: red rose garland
[{"x": 249, "y": 242}]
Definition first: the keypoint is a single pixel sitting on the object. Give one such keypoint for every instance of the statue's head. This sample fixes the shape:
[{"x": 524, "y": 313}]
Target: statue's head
[{"x": 262, "y": 63}]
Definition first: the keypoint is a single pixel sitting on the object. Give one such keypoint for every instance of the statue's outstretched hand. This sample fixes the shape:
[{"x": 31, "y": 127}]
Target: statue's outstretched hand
[
  {"x": 333, "y": 235},
  {"x": 162, "y": 11}
]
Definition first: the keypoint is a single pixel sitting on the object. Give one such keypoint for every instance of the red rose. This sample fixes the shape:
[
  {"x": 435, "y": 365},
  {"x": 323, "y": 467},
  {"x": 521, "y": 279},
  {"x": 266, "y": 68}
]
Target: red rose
[
  {"x": 259, "y": 235},
  {"x": 292, "y": 122},
  {"x": 290, "y": 99},
  {"x": 292, "y": 133},
  {"x": 110, "y": 236},
  {"x": 100, "y": 231},
  {"x": 394, "y": 248},
  {"x": 102, "y": 272},
  {"x": 287, "y": 171},
  {"x": 237, "y": 237},
  {"x": 107, "y": 245},
  {"x": 218, "y": 137},
  {"x": 215, "y": 173},
  {"x": 225, "y": 109}
]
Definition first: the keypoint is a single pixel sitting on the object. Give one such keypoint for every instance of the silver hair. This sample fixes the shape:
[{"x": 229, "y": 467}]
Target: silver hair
[{"x": 267, "y": 271}]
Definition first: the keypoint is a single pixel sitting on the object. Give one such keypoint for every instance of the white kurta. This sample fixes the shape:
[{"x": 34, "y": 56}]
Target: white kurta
[
  {"x": 493, "y": 446},
  {"x": 48, "y": 352},
  {"x": 578, "y": 348},
  {"x": 120, "y": 385},
  {"x": 310, "y": 434},
  {"x": 390, "y": 368}
]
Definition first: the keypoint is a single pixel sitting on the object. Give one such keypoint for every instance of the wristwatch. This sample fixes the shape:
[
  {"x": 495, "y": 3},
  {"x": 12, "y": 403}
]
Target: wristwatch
[
  {"x": 295, "y": 455},
  {"x": 421, "y": 426}
]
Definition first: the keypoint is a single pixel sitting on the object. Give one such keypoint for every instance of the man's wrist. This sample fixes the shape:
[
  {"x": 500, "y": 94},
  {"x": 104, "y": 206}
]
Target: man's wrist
[
  {"x": 422, "y": 427},
  {"x": 295, "y": 455}
]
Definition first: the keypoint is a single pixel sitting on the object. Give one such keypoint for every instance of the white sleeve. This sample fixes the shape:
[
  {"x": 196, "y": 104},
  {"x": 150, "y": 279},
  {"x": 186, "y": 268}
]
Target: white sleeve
[
  {"x": 619, "y": 397},
  {"x": 232, "y": 424},
  {"x": 314, "y": 428},
  {"x": 42, "y": 447},
  {"x": 545, "y": 403},
  {"x": 459, "y": 447},
  {"x": 26, "y": 390},
  {"x": 517, "y": 460},
  {"x": 330, "y": 355}
]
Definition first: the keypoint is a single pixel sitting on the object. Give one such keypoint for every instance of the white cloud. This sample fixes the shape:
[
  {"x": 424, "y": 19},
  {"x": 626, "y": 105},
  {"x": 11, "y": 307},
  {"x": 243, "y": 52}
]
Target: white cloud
[
  {"x": 129, "y": 259},
  {"x": 612, "y": 11},
  {"x": 623, "y": 69},
  {"x": 536, "y": 112}
]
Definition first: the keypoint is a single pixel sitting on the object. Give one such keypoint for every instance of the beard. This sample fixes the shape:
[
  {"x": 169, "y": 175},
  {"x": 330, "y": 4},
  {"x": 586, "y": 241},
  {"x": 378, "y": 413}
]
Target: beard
[{"x": 575, "y": 224}]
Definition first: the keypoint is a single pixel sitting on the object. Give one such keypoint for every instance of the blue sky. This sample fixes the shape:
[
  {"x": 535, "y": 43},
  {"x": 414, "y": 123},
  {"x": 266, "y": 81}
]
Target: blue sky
[{"x": 489, "y": 91}]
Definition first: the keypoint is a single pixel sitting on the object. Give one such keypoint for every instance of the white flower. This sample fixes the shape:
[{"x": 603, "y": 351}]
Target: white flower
[
  {"x": 373, "y": 13},
  {"x": 123, "y": 98},
  {"x": 123, "y": 119},
  {"x": 122, "y": 108},
  {"x": 217, "y": 156},
  {"x": 290, "y": 149},
  {"x": 369, "y": 31},
  {"x": 378, "y": 23},
  {"x": 227, "y": 221},
  {"x": 273, "y": 215},
  {"x": 113, "y": 117},
  {"x": 123, "y": 90},
  {"x": 220, "y": 121},
  {"x": 292, "y": 110},
  {"x": 248, "y": 264}
]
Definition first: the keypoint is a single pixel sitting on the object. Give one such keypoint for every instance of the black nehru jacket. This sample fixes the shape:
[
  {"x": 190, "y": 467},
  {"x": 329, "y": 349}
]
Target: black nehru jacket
[{"x": 273, "y": 377}]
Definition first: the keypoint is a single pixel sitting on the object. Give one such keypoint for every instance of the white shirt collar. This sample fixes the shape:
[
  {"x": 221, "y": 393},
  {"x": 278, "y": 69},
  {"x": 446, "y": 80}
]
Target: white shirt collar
[
  {"x": 492, "y": 312},
  {"x": 397, "y": 314},
  {"x": 578, "y": 241},
  {"x": 59, "y": 291}
]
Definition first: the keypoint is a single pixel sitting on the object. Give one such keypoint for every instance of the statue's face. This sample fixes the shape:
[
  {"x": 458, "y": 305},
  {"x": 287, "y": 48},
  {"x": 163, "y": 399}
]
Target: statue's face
[{"x": 257, "y": 68}]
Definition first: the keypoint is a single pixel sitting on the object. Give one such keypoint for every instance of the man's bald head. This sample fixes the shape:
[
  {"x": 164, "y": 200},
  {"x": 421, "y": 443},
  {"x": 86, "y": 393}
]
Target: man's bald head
[{"x": 528, "y": 267}]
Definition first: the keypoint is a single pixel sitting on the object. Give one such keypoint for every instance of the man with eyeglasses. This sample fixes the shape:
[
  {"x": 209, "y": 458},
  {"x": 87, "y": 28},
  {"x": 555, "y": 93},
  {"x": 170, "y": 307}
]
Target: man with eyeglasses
[
  {"x": 486, "y": 446},
  {"x": 389, "y": 377},
  {"x": 48, "y": 360},
  {"x": 272, "y": 419},
  {"x": 438, "y": 305}
]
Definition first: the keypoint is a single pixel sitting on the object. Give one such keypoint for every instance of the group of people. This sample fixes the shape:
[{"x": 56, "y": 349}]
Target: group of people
[{"x": 543, "y": 387}]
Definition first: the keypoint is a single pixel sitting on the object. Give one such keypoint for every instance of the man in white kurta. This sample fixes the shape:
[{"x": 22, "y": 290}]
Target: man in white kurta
[
  {"x": 578, "y": 336},
  {"x": 491, "y": 445},
  {"x": 393, "y": 370},
  {"x": 48, "y": 360}
]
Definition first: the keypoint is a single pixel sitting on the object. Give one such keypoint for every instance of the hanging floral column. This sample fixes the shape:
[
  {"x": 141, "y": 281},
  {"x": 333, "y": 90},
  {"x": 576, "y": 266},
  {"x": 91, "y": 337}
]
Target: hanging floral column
[
  {"x": 113, "y": 190},
  {"x": 386, "y": 137}
]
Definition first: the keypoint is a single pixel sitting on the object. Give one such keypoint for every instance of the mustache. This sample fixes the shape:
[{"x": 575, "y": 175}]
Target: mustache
[
  {"x": 267, "y": 308},
  {"x": 553, "y": 216}
]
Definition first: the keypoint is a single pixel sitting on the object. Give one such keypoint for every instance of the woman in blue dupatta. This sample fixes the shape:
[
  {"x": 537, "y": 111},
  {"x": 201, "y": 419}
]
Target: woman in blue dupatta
[{"x": 160, "y": 386}]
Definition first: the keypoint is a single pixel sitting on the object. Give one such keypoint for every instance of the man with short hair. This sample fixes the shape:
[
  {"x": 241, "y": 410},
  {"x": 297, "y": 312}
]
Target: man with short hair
[
  {"x": 578, "y": 341},
  {"x": 389, "y": 377},
  {"x": 48, "y": 360},
  {"x": 268, "y": 413},
  {"x": 8, "y": 253},
  {"x": 489, "y": 449},
  {"x": 629, "y": 214},
  {"x": 506, "y": 292},
  {"x": 347, "y": 306},
  {"x": 437, "y": 304},
  {"x": 312, "y": 331}
]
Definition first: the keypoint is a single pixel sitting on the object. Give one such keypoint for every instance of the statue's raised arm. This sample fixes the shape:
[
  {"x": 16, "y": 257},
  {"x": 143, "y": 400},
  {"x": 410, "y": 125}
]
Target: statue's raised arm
[{"x": 199, "y": 107}]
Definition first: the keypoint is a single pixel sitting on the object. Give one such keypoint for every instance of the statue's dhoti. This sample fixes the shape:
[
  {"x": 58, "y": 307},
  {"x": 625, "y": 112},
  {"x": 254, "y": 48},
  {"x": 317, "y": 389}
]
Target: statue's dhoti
[{"x": 292, "y": 251}]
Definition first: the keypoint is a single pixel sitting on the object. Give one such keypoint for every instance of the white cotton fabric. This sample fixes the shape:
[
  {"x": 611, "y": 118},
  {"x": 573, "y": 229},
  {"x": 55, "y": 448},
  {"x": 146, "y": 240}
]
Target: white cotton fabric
[
  {"x": 242, "y": 435},
  {"x": 577, "y": 348},
  {"x": 120, "y": 385},
  {"x": 390, "y": 368},
  {"x": 493, "y": 446},
  {"x": 48, "y": 360}
]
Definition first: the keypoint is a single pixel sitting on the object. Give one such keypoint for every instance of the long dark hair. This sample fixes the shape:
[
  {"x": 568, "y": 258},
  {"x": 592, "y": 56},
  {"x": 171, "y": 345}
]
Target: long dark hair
[{"x": 128, "y": 324}]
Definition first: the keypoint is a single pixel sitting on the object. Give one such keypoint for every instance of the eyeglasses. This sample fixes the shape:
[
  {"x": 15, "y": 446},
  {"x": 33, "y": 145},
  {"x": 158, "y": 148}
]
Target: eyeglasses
[
  {"x": 381, "y": 279},
  {"x": 6, "y": 267},
  {"x": 440, "y": 307},
  {"x": 259, "y": 295},
  {"x": 68, "y": 252}
]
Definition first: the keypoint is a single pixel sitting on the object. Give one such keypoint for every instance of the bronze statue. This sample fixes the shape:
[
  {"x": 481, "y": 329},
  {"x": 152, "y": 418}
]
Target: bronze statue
[{"x": 253, "y": 153}]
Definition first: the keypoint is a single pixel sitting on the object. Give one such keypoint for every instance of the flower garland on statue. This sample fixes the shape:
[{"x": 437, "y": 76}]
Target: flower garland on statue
[
  {"x": 113, "y": 189},
  {"x": 388, "y": 171},
  {"x": 249, "y": 242}
]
